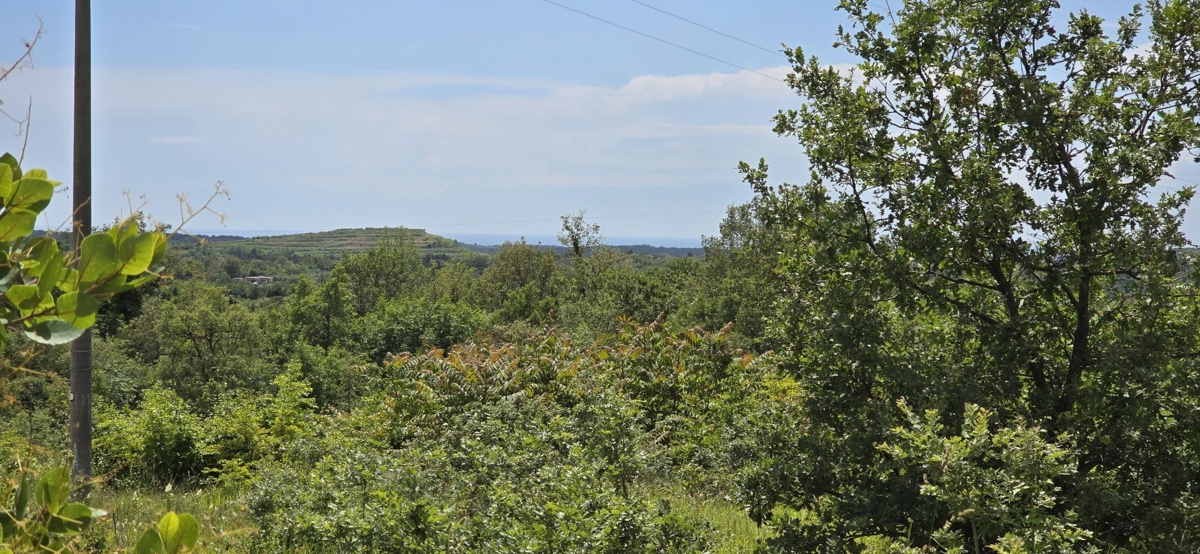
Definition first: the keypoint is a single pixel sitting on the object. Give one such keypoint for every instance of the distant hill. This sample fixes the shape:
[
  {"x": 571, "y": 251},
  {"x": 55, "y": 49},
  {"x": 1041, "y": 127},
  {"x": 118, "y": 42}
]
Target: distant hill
[
  {"x": 338, "y": 242},
  {"x": 350, "y": 241}
]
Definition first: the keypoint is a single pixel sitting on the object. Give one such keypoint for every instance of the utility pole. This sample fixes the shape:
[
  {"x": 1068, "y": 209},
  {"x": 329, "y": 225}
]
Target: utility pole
[{"x": 81, "y": 196}]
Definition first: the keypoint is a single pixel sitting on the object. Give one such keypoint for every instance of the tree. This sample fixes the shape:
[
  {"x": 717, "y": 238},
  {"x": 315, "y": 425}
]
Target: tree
[
  {"x": 390, "y": 270},
  {"x": 982, "y": 227},
  {"x": 578, "y": 235},
  {"x": 737, "y": 282},
  {"x": 519, "y": 283},
  {"x": 202, "y": 344}
]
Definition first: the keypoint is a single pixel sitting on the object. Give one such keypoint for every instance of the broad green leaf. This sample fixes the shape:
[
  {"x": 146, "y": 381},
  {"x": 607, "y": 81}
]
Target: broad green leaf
[
  {"x": 136, "y": 253},
  {"x": 53, "y": 489},
  {"x": 78, "y": 308},
  {"x": 170, "y": 530},
  {"x": 189, "y": 531},
  {"x": 6, "y": 181},
  {"x": 160, "y": 249},
  {"x": 41, "y": 251},
  {"x": 71, "y": 519},
  {"x": 69, "y": 280},
  {"x": 149, "y": 543},
  {"x": 139, "y": 281},
  {"x": 16, "y": 224},
  {"x": 51, "y": 273},
  {"x": 97, "y": 259},
  {"x": 113, "y": 285},
  {"x": 54, "y": 331},
  {"x": 24, "y": 297},
  {"x": 124, "y": 229},
  {"x": 12, "y": 162},
  {"x": 30, "y": 194},
  {"x": 37, "y": 174}
]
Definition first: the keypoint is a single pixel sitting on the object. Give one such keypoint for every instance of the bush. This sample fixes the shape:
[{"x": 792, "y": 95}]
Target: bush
[
  {"x": 408, "y": 325},
  {"x": 159, "y": 441}
]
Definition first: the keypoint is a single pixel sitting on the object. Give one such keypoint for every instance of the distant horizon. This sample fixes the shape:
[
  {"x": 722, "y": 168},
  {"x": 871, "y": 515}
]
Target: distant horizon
[{"x": 482, "y": 239}]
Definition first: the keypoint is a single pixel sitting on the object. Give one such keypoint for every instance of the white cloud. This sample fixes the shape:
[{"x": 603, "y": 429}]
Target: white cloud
[{"x": 391, "y": 140}]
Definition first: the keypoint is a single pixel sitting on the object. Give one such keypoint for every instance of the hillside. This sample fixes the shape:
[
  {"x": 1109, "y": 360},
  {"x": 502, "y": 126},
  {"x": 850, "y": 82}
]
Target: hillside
[
  {"x": 337, "y": 242},
  {"x": 349, "y": 241}
]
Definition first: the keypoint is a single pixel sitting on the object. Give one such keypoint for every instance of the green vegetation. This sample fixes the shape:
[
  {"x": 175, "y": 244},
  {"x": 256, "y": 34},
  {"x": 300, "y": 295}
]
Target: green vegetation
[{"x": 975, "y": 329}]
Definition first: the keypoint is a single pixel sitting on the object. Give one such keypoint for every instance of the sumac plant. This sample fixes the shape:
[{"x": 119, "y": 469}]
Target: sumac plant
[{"x": 51, "y": 294}]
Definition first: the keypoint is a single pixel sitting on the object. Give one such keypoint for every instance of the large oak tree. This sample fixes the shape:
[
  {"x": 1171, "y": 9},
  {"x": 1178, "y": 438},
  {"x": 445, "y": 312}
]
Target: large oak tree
[{"x": 986, "y": 225}]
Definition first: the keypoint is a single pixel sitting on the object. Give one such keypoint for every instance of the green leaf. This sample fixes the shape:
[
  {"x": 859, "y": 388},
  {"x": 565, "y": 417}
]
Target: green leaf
[
  {"x": 30, "y": 194},
  {"x": 38, "y": 174},
  {"x": 124, "y": 230},
  {"x": 21, "y": 502},
  {"x": 41, "y": 253},
  {"x": 136, "y": 253},
  {"x": 112, "y": 285},
  {"x": 139, "y": 281},
  {"x": 24, "y": 297},
  {"x": 54, "y": 331},
  {"x": 51, "y": 272},
  {"x": 16, "y": 224},
  {"x": 149, "y": 543},
  {"x": 69, "y": 280},
  {"x": 71, "y": 519},
  {"x": 160, "y": 249},
  {"x": 12, "y": 162},
  {"x": 189, "y": 531},
  {"x": 97, "y": 259},
  {"x": 53, "y": 489},
  {"x": 170, "y": 529},
  {"x": 6, "y": 180},
  {"x": 79, "y": 309}
]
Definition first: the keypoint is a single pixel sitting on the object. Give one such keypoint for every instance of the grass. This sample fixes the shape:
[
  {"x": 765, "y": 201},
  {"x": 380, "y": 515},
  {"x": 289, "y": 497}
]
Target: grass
[
  {"x": 736, "y": 532},
  {"x": 226, "y": 526},
  {"x": 224, "y": 518}
]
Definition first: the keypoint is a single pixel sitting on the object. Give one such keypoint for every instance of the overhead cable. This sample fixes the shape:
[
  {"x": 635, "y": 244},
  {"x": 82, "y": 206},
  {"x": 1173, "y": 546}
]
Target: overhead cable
[{"x": 667, "y": 42}]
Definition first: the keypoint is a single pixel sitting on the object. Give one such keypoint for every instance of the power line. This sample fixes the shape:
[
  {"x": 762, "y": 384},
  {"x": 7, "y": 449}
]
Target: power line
[
  {"x": 726, "y": 35},
  {"x": 667, "y": 42}
]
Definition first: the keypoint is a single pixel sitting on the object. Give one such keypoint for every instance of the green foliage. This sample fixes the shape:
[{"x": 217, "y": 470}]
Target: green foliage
[
  {"x": 389, "y": 271},
  {"x": 160, "y": 441},
  {"x": 519, "y": 283},
  {"x": 982, "y": 229},
  {"x": 201, "y": 343},
  {"x": 175, "y": 533},
  {"x": 545, "y": 445},
  {"x": 37, "y": 514},
  {"x": 579, "y": 236},
  {"x": 321, "y": 316},
  {"x": 737, "y": 283},
  {"x": 40, "y": 291},
  {"x": 408, "y": 325},
  {"x": 995, "y": 487}
]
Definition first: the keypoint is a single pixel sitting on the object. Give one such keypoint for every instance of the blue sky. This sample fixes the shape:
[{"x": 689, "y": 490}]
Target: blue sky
[{"x": 459, "y": 116}]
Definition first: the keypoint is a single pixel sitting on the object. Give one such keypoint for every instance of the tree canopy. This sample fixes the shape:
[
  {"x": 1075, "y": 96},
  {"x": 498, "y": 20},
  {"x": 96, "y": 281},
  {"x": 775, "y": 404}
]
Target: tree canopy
[{"x": 984, "y": 226}]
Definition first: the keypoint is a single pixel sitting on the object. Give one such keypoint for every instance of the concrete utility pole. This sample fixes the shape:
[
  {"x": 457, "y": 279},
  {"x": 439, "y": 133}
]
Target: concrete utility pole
[{"x": 81, "y": 196}]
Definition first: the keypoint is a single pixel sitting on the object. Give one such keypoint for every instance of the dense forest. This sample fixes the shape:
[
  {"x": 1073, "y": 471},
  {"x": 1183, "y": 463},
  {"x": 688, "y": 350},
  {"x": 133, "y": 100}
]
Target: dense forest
[{"x": 976, "y": 328}]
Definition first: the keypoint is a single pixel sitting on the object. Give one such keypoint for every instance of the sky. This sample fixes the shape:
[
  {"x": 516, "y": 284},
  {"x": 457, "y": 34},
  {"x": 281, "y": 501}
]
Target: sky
[{"x": 456, "y": 116}]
